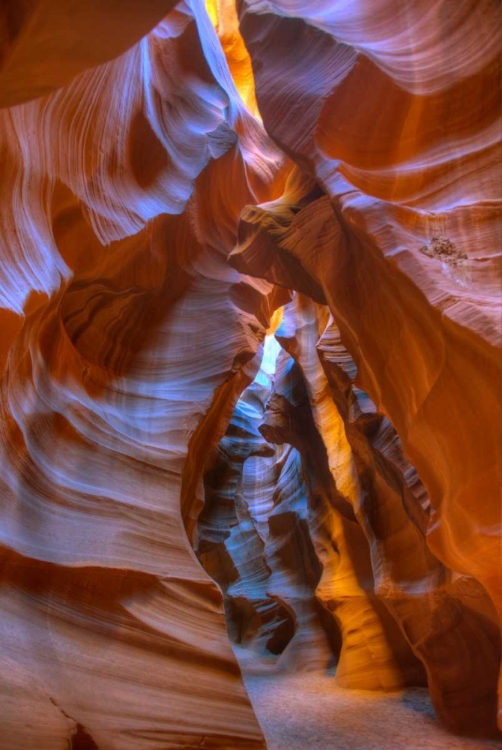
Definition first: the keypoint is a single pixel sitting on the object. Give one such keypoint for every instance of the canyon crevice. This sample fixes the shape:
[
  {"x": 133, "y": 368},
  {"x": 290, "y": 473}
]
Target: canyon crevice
[{"x": 250, "y": 315}]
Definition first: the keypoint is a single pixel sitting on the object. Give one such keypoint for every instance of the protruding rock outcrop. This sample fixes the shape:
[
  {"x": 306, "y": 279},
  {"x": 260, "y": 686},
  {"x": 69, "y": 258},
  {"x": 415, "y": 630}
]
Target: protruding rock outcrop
[
  {"x": 425, "y": 335},
  {"x": 438, "y": 611},
  {"x": 171, "y": 176},
  {"x": 116, "y": 355}
]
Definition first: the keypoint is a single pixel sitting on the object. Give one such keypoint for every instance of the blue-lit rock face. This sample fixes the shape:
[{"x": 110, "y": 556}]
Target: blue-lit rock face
[
  {"x": 338, "y": 486},
  {"x": 254, "y": 535},
  {"x": 290, "y": 537},
  {"x": 187, "y": 487},
  {"x": 121, "y": 320}
]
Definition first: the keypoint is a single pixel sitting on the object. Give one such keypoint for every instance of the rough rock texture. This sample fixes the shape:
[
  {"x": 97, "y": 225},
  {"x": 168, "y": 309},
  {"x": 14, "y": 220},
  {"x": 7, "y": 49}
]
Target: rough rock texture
[
  {"x": 405, "y": 200},
  {"x": 365, "y": 515},
  {"x": 177, "y": 181},
  {"x": 108, "y": 620},
  {"x": 435, "y": 362},
  {"x": 262, "y": 550},
  {"x": 373, "y": 653},
  {"x": 437, "y": 611}
]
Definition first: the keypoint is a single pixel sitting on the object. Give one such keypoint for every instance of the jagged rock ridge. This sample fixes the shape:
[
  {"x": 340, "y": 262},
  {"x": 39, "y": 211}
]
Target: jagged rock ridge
[{"x": 172, "y": 175}]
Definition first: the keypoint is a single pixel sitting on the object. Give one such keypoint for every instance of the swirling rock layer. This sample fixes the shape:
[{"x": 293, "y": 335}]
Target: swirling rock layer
[{"x": 172, "y": 452}]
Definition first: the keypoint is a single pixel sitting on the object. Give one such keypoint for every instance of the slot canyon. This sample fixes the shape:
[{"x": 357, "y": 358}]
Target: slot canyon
[{"x": 250, "y": 354}]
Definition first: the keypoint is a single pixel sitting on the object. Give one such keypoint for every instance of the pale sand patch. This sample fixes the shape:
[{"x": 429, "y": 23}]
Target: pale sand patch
[{"x": 309, "y": 712}]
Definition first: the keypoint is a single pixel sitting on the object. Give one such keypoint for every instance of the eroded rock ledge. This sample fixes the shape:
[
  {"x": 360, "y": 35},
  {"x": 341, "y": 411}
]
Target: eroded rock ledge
[{"x": 186, "y": 187}]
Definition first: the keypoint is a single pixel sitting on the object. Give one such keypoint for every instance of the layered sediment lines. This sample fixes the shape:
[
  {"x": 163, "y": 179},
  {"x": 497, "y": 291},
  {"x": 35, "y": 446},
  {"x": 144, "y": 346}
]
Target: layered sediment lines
[
  {"x": 126, "y": 321},
  {"x": 398, "y": 130},
  {"x": 173, "y": 478},
  {"x": 422, "y": 322},
  {"x": 338, "y": 485}
]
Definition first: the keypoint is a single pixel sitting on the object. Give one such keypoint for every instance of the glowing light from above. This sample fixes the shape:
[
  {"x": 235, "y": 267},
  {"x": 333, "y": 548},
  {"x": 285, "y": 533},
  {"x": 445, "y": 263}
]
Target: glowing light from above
[
  {"x": 213, "y": 11},
  {"x": 275, "y": 320},
  {"x": 271, "y": 350},
  {"x": 223, "y": 15}
]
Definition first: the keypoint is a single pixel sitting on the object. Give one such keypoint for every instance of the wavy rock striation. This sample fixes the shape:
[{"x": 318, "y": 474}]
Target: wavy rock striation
[
  {"x": 108, "y": 618},
  {"x": 408, "y": 211},
  {"x": 172, "y": 175}
]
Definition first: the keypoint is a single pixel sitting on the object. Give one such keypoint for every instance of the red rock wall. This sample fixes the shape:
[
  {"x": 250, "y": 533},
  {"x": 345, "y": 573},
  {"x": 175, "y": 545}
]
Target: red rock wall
[
  {"x": 154, "y": 211},
  {"x": 400, "y": 128},
  {"x": 125, "y": 322},
  {"x": 356, "y": 500}
]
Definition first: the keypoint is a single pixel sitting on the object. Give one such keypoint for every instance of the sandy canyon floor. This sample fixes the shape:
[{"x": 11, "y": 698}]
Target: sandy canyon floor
[{"x": 309, "y": 712}]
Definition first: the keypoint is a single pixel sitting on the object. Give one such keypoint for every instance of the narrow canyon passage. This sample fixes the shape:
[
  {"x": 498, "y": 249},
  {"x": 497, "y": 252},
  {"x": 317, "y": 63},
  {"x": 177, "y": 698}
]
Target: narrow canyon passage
[
  {"x": 250, "y": 371},
  {"x": 292, "y": 555}
]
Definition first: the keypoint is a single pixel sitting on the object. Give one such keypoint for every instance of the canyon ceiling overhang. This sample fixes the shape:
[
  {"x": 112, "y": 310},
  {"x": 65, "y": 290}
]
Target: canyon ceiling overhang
[{"x": 171, "y": 175}]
